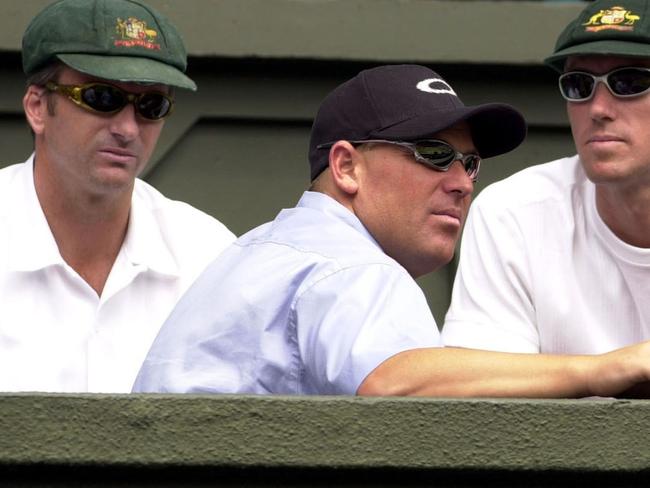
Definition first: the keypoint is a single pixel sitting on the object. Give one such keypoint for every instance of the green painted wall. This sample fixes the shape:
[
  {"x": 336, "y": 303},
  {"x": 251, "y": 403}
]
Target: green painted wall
[
  {"x": 164, "y": 440},
  {"x": 509, "y": 32}
]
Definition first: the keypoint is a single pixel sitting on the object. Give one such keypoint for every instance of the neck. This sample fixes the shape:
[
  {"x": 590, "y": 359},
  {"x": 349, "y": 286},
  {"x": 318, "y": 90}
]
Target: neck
[
  {"x": 89, "y": 229},
  {"x": 326, "y": 186},
  {"x": 626, "y": 211}
]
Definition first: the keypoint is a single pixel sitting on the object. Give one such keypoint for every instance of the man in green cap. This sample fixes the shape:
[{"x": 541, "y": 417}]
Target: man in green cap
[
  {"x": 556, "y": 258},
  {"x": 92, "y": 259}
]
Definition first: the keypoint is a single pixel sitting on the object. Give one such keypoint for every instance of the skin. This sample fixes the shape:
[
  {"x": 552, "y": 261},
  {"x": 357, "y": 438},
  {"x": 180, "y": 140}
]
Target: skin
[
  {"x": 611, "y": 138},
  {"x": 85, "y": 168},
  {"x": 415, "y": 214},
  {"x": 455, "y": 372}
]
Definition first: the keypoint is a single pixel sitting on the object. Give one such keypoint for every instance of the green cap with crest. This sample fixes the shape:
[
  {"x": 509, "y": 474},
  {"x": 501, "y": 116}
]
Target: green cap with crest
[
  {"x": 605, "y": 28},
  {"x": 119, "y": 40}
]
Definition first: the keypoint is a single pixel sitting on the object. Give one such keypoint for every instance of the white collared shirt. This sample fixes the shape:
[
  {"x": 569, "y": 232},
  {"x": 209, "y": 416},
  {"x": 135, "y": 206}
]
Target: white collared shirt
[
  {"x": 56, "y": 334},
  {"x": 306, "y": 304}
]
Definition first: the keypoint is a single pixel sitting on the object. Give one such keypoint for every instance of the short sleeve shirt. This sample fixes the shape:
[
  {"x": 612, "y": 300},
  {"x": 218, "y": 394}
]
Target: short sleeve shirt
[{"x": 306, "y": 304}]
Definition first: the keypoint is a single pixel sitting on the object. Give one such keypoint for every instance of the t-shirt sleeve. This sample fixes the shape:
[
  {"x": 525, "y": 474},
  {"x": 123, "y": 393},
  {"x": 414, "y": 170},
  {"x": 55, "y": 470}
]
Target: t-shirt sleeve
[
  {"x": 351, "y": 321},
  {"x": 491, "y": 306}
]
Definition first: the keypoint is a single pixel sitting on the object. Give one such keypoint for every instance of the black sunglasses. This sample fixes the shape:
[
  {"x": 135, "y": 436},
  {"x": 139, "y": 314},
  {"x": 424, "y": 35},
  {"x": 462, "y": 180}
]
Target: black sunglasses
[
  {"x": 107, "y": 99},
  {"x": 579, "y": 86},
  {"x": 433, "y": 153}
]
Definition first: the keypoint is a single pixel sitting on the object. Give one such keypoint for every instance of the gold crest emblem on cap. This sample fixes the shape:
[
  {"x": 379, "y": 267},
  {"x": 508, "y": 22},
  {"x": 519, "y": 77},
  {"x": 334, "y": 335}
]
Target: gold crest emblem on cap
[
  {"x": 134, "y": 32},
  {"x": 617, "y": 18}
]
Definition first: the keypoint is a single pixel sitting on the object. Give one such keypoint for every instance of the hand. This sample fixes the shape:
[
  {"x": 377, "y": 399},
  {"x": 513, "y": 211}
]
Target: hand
[
  {"x": 622, "y": 373},
  {"x": 640, "y": 390}
]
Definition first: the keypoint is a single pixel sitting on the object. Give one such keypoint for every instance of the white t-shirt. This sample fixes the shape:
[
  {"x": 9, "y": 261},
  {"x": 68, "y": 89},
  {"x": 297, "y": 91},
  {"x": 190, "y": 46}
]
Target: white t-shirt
[
  {"x": 56, "y": 334},
  {"x": 306, "y": 304},
  {"x": 541, "y": 272}
]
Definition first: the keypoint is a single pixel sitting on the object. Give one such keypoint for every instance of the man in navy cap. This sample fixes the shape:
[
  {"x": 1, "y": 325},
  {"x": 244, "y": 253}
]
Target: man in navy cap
[
  {"x": 323, "y": 300},
  {"x": 92, "y": 259},
  {"x": 556, "y": 259}
]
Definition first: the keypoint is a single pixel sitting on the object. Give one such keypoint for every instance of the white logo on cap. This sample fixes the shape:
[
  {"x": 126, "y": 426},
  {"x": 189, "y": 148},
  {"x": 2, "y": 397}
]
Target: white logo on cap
[{"x": 425, "y": 86}]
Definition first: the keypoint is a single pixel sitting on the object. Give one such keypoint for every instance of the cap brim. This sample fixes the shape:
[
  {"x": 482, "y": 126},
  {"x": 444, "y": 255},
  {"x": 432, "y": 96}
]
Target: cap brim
[
  {"x": 128, "y": 69},
  {"x": 496, "y": 128},
  {"x": 598, "y": 48}
]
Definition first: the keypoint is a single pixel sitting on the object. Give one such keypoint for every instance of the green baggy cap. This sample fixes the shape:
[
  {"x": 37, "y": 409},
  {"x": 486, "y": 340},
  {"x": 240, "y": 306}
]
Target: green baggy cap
[
  {"x": 607, "y": 28},
  {"x": 120, "y": 40}
]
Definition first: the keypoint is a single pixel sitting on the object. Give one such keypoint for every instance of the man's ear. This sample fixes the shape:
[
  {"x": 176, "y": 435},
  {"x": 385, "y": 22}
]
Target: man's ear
[
  {"x": 35, "y": 107},
  {"x": 344, "y": 166}
]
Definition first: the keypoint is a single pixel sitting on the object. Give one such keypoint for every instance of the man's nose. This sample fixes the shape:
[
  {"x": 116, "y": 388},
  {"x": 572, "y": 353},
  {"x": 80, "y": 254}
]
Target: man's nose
[
  {"x": 457, "y": 180},
  {"x": 125, "y": 124}
]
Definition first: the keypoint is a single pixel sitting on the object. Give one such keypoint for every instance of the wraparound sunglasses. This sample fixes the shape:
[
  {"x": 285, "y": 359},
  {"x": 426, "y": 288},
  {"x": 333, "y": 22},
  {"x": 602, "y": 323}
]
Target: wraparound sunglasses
[
  {"x": 433, "y": 153},
  {"x": 107, "y": 99},
  {"x": 580, "y": 86}
]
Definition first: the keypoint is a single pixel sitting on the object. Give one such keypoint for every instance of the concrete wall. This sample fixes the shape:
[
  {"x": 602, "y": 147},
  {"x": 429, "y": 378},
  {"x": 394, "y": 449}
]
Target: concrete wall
[{"x": 163, "y": 440}]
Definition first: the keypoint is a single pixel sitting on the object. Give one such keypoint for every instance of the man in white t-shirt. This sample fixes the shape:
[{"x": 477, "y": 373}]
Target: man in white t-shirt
[
  {"x": 92, "y": 260},
  {"x": 556, "y": 258},
  {"x": 322, "y": 300}
]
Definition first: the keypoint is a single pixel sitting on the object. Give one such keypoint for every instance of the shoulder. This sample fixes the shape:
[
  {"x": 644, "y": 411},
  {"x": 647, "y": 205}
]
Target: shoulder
[
  {"x": 543, "y": 185},
  {"x": 189, "y": 233},
  {"x": 12, "y": 184},
  {"x": 375, "y": 283},
  {"x": 10, "y": 173},
  {"x": 12, "y": 169},
  {"x": 318, "y": 245},
  {"x": 328, "y": 234},
  {"x": 177, "y": 214}
]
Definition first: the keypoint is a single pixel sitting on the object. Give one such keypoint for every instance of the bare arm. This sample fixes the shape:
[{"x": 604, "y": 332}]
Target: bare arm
[{"x": 456, "y": 372}]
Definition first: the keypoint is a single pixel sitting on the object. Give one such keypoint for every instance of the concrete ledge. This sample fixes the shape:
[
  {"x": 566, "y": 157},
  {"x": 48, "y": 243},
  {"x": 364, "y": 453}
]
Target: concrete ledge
[{"x": 163, "y": 431}]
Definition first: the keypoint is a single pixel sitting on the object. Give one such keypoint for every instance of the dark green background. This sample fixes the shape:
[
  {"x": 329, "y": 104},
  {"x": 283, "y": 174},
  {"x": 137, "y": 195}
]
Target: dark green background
[{"x": 237, "y": 148}]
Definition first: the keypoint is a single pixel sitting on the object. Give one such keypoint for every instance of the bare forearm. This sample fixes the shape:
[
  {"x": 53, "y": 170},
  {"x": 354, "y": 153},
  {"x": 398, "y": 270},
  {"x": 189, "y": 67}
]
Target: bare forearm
[{"x": 454, "y": 372}]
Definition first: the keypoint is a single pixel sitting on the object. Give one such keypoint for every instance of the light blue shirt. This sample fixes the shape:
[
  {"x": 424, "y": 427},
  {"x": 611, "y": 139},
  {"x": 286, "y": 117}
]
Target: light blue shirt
[{"x": 306, "y": 304}]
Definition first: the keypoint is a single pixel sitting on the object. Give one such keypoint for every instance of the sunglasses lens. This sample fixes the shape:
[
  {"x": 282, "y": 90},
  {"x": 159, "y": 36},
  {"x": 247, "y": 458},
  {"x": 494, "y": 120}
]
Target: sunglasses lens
[
  {"x": 629, "y": 81},
  {"x": 437, "y": 153},
  {"x": 103, "y": 98},
  {"x": 153, "y": 106},
  {"x": 472, "y": 164},
  {"x": 107, "y": 99},
  {"x": 625, "y": 82},
  {"x": 441, "y": 155},
  {"x": 576, "y": 86}
]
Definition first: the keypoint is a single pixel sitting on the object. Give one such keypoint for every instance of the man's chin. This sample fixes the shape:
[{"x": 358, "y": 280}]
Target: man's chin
[
  {"x": 602, "y": 172},
  {"x": 113, "y": 180}
]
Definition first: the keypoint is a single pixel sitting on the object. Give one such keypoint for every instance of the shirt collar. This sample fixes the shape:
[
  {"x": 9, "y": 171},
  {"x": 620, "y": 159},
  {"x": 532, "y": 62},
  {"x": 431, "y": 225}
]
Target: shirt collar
[
  {"x": 32, "y": 245},
  {"x": 325, "y": 203},
  {"x": 144, "y": 245}
]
